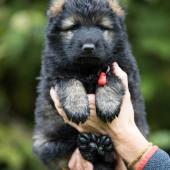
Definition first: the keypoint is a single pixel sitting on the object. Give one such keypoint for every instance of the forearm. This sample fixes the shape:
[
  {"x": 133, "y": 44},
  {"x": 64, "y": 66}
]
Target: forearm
[
  {"x": 129, "y": 142},
  {"x": 131, "y": 145}
]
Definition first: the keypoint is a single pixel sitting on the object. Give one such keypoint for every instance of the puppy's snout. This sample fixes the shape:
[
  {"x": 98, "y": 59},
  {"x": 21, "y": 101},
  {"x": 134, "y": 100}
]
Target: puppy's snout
[{"x": 88, "y": 48}]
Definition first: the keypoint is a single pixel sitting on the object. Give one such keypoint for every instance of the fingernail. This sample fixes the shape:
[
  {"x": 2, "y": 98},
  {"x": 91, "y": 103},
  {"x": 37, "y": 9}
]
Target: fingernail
[
  {"x": 52, "y": 93},
  {"x": 115, "y": 64}
]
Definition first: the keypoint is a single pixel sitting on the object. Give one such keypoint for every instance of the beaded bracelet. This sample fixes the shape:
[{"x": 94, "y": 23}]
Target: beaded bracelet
[{"x": 131, "y": 164}]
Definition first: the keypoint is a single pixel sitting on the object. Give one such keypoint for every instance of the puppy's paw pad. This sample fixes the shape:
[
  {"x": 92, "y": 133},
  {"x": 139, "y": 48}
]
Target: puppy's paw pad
[
  {"x": 87, "y": 144},
  {"x": 105, "y": 144}
]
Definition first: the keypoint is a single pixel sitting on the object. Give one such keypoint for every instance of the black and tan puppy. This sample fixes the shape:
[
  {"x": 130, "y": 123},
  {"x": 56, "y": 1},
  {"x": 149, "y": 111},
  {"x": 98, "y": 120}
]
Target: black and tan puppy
[{"x": 83, "y": 39}]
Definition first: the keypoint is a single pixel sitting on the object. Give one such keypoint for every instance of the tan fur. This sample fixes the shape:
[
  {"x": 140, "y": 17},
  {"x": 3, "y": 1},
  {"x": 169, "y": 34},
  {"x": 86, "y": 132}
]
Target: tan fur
[
  {"x": 66, "y": 23},
  {"x": 56, "y": 7},
  {"x": 116, "y": 7},
  {"x": 67, "y": 35},
  {"x": 108, "y": 36},
  {"x": 38, "y": 140},
  {"x": 106, "y": 22},
  {"x": 75, "y": 87},
  {"x": 108, "y": 103}
]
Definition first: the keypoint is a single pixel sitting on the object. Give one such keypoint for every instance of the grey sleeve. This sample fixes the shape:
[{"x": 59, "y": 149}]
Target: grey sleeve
[{"x": 159, "y": 161}]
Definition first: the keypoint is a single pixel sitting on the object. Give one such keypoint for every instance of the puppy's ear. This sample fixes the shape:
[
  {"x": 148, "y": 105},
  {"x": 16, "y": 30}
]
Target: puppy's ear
[
  {"x": 56, "y": 6},
  {"x": 124, "y": 5},
  {"x": 118, "y": 7}
]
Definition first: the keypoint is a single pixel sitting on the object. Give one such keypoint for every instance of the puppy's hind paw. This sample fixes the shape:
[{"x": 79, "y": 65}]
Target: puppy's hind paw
[
  {"x": 87, "y": 144},
  {"x": 93, "y": 147},
  {"x": 105, "y": 144}
]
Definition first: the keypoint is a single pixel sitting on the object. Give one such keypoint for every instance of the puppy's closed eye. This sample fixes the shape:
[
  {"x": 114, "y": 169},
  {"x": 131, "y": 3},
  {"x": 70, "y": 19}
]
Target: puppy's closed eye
[
  {"x": 69, "y": 24},
  {"x": 71, "y": 27},
  {"x": 105, "y": 24}
]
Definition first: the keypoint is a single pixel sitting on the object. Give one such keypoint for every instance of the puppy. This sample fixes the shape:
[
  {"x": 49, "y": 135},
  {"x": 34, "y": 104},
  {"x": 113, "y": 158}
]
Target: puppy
[{"x": 83, "y": 39}]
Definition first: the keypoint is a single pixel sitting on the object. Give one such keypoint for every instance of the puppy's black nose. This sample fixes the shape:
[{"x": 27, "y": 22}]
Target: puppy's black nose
[{"x": 88, "y": 48}]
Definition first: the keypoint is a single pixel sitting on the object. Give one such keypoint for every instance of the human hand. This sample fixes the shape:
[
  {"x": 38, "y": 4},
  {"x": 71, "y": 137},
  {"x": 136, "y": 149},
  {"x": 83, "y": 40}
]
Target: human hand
[
  {"x": 90, "y": 124},
  {"x": 78, "y": 163},
  {"x": 127, "y": 138},
  {"x": 94, "y": 124}
]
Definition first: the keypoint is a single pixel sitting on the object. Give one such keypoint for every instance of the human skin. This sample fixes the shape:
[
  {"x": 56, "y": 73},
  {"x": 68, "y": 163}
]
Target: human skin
[{"x": 128, "y": 140}]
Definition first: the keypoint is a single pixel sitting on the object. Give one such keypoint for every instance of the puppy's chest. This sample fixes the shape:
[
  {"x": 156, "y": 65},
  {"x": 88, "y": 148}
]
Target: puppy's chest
[
  {"x": 88, "y": 79},
  {"x": 89, "y": 82},
  {"x": 90, "y": 87},
  {"x": 95, "y": 80}
]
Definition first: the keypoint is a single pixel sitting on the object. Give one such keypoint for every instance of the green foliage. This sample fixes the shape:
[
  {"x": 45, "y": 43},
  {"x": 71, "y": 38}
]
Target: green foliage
[
  {"x": 22, "y": 32},
  {"x": 16, "y": 149},
  {"x": 149, "y": 26},
  {"x": 161, "y": 138},
  {"x": 21, "y": 42}
]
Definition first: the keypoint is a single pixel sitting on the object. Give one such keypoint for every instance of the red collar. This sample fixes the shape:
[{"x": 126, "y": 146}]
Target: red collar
[{"x": 102, "y": 81}]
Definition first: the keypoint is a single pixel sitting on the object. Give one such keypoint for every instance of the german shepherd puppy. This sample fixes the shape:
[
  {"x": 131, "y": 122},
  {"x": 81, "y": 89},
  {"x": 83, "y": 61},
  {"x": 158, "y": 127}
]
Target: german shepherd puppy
[{"x": 83, "y": 39}]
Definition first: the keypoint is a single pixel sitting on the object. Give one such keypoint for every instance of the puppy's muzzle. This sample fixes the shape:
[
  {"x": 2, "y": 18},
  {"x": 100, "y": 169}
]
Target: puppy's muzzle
[{"x": 88, "y": 48}]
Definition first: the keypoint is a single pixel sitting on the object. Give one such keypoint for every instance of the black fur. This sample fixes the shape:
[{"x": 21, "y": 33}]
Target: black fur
[
  {"x": 75, "y": 72},
  {"x": 94, "y": 147}
]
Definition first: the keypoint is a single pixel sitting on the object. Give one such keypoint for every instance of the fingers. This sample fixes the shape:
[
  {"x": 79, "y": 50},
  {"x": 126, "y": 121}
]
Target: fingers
[
  {"x": 92, "y": 103},
  {"x": 88, "y": 166},
  {"x": 121, "y": 74},
  {"x": 120, "y": 164},
  {"x": 55, "y": 98},
  {"x": 126, "y": 103},
  {"x": 78, "y": 163},
  {"x": 91, "y": 98},
  {"x": 57, "y": 104},
  {"x": 75, "y": 162}
]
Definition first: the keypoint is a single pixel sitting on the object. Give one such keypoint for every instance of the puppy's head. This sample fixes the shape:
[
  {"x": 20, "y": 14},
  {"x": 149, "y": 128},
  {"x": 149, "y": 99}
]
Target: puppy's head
[{"x": 84, "y": 32}]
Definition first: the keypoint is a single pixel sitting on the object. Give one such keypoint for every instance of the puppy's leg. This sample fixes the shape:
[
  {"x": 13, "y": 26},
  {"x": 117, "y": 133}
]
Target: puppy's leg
[
  {"x": 109, "y": 99},
  {"x": 74, "y": 100},
  {"x": 54, "y": 153},
  {"x": 54, "y": 145},
  {"x": 53, "y": 140}
]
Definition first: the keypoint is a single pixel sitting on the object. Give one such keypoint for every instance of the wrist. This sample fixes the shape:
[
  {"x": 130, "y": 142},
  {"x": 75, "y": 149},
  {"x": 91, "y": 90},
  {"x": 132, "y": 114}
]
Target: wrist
[{"x": 129, "y": 142}]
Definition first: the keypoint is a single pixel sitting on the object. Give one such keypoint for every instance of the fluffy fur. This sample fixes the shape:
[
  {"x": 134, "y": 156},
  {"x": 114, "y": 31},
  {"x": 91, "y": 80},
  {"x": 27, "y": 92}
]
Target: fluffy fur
[{"x": 73, "y": 25}]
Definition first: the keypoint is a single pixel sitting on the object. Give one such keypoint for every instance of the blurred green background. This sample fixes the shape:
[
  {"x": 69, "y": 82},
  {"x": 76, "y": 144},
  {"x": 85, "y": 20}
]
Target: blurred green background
[{"x": 22, "y": 26}]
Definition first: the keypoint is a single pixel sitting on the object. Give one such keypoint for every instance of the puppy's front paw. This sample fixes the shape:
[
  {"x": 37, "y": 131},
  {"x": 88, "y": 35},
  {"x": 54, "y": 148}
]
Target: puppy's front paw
[
  {"x": 108, "y": 100},
  {"x": 74, "y": 101},
  {"x": 77, "y": 110}
]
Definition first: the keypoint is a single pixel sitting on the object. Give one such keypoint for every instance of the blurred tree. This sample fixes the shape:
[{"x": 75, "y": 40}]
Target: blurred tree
[{"x": 149, "y": 27}]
